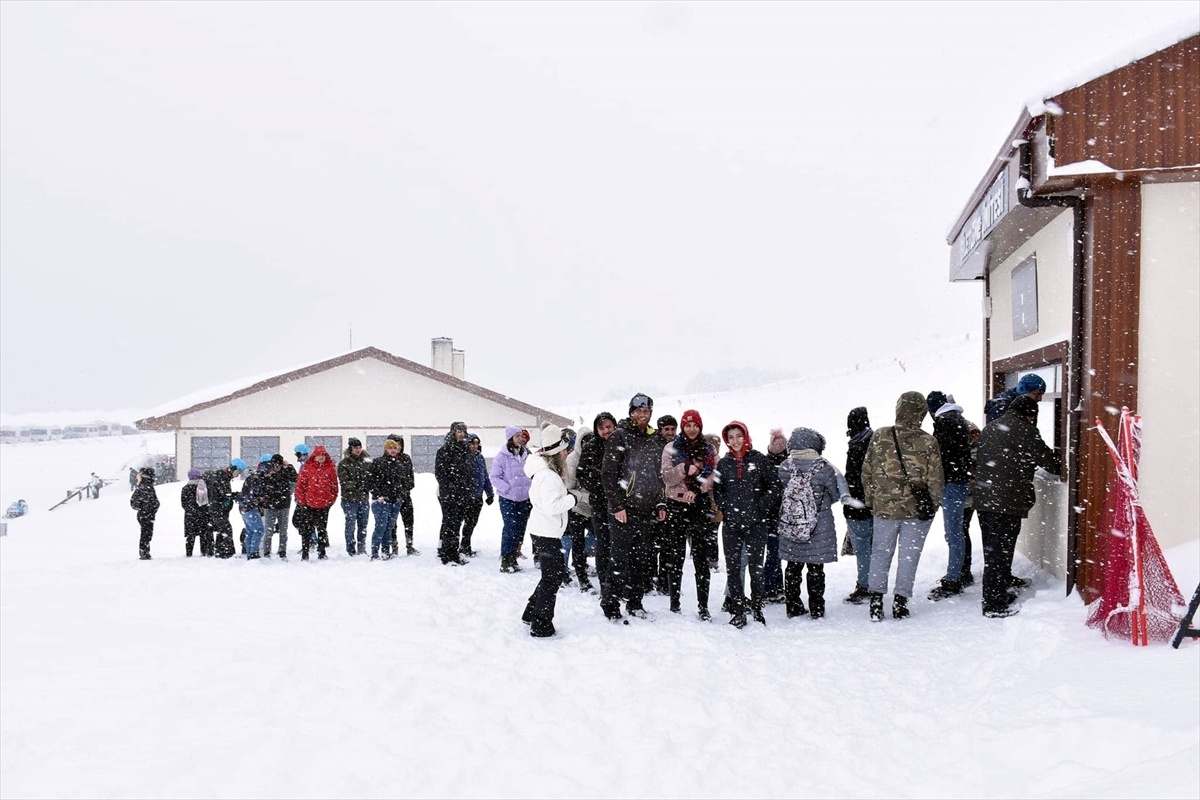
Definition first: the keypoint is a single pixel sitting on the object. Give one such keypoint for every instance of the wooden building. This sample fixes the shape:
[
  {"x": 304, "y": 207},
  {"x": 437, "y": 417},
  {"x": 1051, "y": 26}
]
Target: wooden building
[
  {"x": 368, "y": 394},
  {"x": 1085, "y": 230}
]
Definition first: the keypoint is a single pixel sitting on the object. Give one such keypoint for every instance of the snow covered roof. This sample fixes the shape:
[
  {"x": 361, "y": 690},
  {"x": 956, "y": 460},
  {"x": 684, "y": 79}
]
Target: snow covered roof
[
  {"x": 167, "y": 417},
  {"x": 1133, "y": 51}
]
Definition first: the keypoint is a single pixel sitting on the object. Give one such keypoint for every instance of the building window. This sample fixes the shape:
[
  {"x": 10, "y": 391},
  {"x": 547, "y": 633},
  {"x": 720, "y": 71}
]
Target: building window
[
  {"x": 255, "y": 447},
  {"x": 424, "y": 451},
  {"x": 332, "y": 444},
  {"x": 1024, "y": 298},
  {"x": 211, "y": 452}
]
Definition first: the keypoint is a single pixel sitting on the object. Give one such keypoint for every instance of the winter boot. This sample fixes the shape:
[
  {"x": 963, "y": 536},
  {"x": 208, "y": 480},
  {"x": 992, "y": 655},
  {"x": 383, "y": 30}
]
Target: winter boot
[
  {"x": 858, "y": 596},
  {"x": 876, "y": 600},
  {"x": 738, "y": 620},
  {"x": 1017, "y": 583},
  {"x": 945, "y": 589},
  {"x": 676, "y": 608},
  {"x": 758, "y": 614},
  {"x": 816, "y": 607},
  {"x": 966, "y": 579},
  {"x": 704, "y": 615},
  {"x": 1000, "y": 613},
  {"x": 899, "y": 607}
]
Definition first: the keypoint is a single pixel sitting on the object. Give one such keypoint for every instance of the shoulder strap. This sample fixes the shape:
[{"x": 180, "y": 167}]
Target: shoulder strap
[{"x": 896, "y": 439}]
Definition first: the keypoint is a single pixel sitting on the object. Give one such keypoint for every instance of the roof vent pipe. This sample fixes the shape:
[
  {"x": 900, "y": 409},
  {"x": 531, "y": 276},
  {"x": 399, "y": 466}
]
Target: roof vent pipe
[{"x": 442, "y": 358}]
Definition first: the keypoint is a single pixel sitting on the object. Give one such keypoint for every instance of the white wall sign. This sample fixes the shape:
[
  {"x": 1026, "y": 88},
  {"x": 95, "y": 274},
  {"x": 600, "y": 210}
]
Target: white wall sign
[{"x": 987, "y": 215}]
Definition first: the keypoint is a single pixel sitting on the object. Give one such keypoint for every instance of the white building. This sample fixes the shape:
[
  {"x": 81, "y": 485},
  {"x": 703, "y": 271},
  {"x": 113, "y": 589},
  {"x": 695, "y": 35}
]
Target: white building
[{"x": 368, "y": 394}]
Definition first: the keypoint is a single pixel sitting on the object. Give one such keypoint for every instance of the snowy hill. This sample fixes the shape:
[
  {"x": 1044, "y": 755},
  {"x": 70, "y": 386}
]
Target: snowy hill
[{"x": 185, "y": 678}]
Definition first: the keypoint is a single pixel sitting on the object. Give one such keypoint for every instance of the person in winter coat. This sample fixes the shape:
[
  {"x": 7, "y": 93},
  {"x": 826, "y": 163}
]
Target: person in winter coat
[
  {"x": 953, "y": 434},
  {"x": 316, "y": 492},
  {"x": 278, "y": 483},
  {"x": 591, "y": 480},
  {"x": 95, "y": 484},
  {"x": 579, "y": 519},
  {"x": 220, "y": 503},
  {"x": 1031, "y": 385},
  {"x": 1010, "y": 449},
  {"x": 777, "y": 453},
  {"x": 688, "y": 464},
  {"x": 454, "y": 469},
  {"x": 747, "y": 492},
  {"x": 354, "y": 479},
  {"x": 859, "y": 520},
  {"x": 508, "y": 476},
  {"x": 483, "y": 487},
  {"x": 145, "y": 502},
  {"x": 249, "y": 502},
  {"x": 407, "y": 482},
  {"x": 668, "y": 429},
  {"x": 890, "y": 485},
  {"x": 805, "y": 547},
  {"x": 632, "y": 475},
  {"x": 551, "y": 503},
  {"x": 196, "y": 525},
  {"x": 386, "y": 479}
]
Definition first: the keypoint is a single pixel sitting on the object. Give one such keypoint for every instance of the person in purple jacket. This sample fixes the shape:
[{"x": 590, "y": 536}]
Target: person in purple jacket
[{"x": 510, "y": 482}]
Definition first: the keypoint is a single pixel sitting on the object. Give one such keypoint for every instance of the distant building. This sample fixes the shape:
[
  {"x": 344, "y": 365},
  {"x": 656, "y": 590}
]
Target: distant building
[
  {"x": 368, "y": 394},
  {"x": 1085, "y": 231}
]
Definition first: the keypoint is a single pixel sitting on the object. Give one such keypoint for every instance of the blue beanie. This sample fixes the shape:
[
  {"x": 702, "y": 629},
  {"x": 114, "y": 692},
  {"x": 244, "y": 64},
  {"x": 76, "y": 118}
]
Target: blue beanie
[
  {"x": 1031, "y": 383},
  {"x": 302, "y": 448},
  {"x": 265, "y": 458},
  {"x": 238, "y": 464}
]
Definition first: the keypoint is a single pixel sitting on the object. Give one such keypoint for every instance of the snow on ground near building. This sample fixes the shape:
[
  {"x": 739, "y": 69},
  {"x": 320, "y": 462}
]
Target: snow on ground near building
[{"x": 181, "y": 678}]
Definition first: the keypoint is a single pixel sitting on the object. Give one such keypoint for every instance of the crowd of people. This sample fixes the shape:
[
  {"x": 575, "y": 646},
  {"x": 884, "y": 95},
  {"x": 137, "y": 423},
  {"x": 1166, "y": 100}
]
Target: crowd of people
[{"x": 646, "y": 495}]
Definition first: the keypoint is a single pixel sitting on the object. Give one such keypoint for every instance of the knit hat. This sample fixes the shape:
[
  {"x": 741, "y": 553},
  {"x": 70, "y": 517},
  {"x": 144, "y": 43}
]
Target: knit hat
[
  {"x": 458, "y": 426},
  {"x": 935, "y": 400},
  {"x": 806, "y": 439},
  {"x": 352, "y": 442},
  {"x": 265, "y": 458},
  {"x": 238, "y": 464},
  {"x": 554, "y": 440},
  {"x": 195, "y": 474},
  {"x": 667, "y": 419},
  {"x": 148, "y": 473},
  {"x": 691, "y": 415},
  {"x": 1031, "y": 383},
  {"x": 640, "y": 400}
]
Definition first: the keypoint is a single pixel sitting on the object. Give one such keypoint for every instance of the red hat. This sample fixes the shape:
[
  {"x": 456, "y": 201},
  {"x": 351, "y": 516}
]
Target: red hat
[{"x": 691, "y": 415}]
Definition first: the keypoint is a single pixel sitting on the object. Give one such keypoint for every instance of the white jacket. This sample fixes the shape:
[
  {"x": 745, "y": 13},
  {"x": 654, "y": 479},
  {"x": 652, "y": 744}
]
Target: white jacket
[{"x": 550, "y": 498}]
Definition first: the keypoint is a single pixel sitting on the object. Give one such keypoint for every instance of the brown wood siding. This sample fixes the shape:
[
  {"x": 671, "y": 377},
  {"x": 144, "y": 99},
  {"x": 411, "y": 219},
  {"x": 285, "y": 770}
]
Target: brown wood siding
[
  {"x": 1141, "y": 116},
  {"x": 1110, "y": 366}
]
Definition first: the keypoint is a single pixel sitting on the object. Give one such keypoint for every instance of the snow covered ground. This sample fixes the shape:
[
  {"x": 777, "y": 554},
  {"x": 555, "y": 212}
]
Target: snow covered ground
[{"x": 182, "y": 678}]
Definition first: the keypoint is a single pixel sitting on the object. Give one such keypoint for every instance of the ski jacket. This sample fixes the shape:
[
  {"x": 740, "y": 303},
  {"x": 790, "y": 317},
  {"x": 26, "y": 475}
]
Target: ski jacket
[
  {"x": 750, "y": 499},
  {"x": 317, "y": 484},
  {"x": 454, "y": 471},
  {"x": 550, "y": 500},
  {"x": 886, "y": 490},
  {"x": 354, "y": 475},
  {"x": 479, "y": 471},
  {"x": 250, "y": 498},
  {"x": 508, "y": 470},
  {"x": 386, "y": 479},
  {"x": 822, "y": 545},
  {"x": 1010, "y": 449},
  {"x": 632, "y": 469},
  {"x": 856, "y": 454},
  {"x": 953, "y": 434},
  {"x": 583, "y": 504},
  {"x": 277, "y": 485},
  {"x": 407, "y": 474},
  {"x": 144, "y": 501},
  {"x": 220, "y": 493},
  {"x": 187, "y": 499}
]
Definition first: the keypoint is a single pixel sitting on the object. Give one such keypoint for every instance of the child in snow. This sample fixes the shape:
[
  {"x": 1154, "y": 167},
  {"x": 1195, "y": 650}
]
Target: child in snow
[{"x": 145, "y": 502}]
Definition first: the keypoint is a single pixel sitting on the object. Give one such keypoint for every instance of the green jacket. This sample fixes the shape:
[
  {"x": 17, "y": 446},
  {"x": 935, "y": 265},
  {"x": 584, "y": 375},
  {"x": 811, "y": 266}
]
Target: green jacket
[{"x": 887, "y": 493}]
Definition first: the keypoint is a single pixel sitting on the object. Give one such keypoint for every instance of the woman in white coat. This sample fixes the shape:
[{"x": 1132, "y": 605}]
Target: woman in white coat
[{"x": 551, "y": 501}]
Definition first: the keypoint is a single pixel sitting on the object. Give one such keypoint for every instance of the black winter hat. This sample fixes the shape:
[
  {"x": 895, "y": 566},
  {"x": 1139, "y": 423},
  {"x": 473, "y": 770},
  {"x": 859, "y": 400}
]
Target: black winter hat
[
  {"x": 935, "y": 400},
  {"x": 353, "y": 442},
  {"x": 640, "y": 400},
  {"x": 667, "y": 419}
]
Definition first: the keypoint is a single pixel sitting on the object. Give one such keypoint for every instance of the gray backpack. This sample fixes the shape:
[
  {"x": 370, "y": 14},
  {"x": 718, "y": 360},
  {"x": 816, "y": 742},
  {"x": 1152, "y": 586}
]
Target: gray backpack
[{"x": 799, "y": 510}]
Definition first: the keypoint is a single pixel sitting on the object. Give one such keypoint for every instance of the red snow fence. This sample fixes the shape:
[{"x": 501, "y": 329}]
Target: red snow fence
[{"x": 1140, "y": 600}]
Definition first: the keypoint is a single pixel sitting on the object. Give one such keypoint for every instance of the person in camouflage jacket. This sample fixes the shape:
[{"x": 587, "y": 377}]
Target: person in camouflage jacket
[{"x": 888, "y": 489}]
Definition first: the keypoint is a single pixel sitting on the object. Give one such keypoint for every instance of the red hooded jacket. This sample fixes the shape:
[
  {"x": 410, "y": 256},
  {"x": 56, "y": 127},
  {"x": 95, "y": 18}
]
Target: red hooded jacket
[{"x": 317, "y": 484}]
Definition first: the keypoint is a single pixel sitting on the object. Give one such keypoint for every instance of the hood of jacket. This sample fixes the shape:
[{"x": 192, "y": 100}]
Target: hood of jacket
[
  {"x": 745, "y": 434},
  {"x": 857, "y": 421},
  {"x": 911, "y": 410},
  {"x": 535, "y": 464}
]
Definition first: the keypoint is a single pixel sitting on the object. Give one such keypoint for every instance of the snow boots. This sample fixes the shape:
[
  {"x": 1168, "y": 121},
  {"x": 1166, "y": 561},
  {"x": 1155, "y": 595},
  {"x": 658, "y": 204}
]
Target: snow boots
[
  {"x": 899, "y": 607},
  {"x": 816, "y": 607},
  {"x": 858, "y": 596},
  {"x": 945, "y": 589},
  {"x": 876, "y": 601}
]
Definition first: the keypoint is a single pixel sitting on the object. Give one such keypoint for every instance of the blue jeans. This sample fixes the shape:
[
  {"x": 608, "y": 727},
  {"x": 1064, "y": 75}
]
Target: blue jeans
[
  {"x": 515, "y": 514},
  {"x": 385, "y": 518},
  {"x": 953, "y": 498},
  {"x": 357, "y": 516},
  {"x": 861, "y": 533},
  {"x": 254, "y": 531}
]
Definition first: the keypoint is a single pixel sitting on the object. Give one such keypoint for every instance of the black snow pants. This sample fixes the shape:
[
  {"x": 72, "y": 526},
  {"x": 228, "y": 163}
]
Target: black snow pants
[{"x": 539, "y": 611}]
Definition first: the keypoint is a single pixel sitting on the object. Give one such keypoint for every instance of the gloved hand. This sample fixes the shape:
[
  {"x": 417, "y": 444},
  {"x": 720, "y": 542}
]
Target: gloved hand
[{"x": 489, "y": 499}]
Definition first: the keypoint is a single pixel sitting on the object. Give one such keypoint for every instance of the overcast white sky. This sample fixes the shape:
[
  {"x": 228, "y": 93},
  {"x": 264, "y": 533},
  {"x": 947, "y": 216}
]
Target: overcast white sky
[{"x": 583, "y": 195}]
